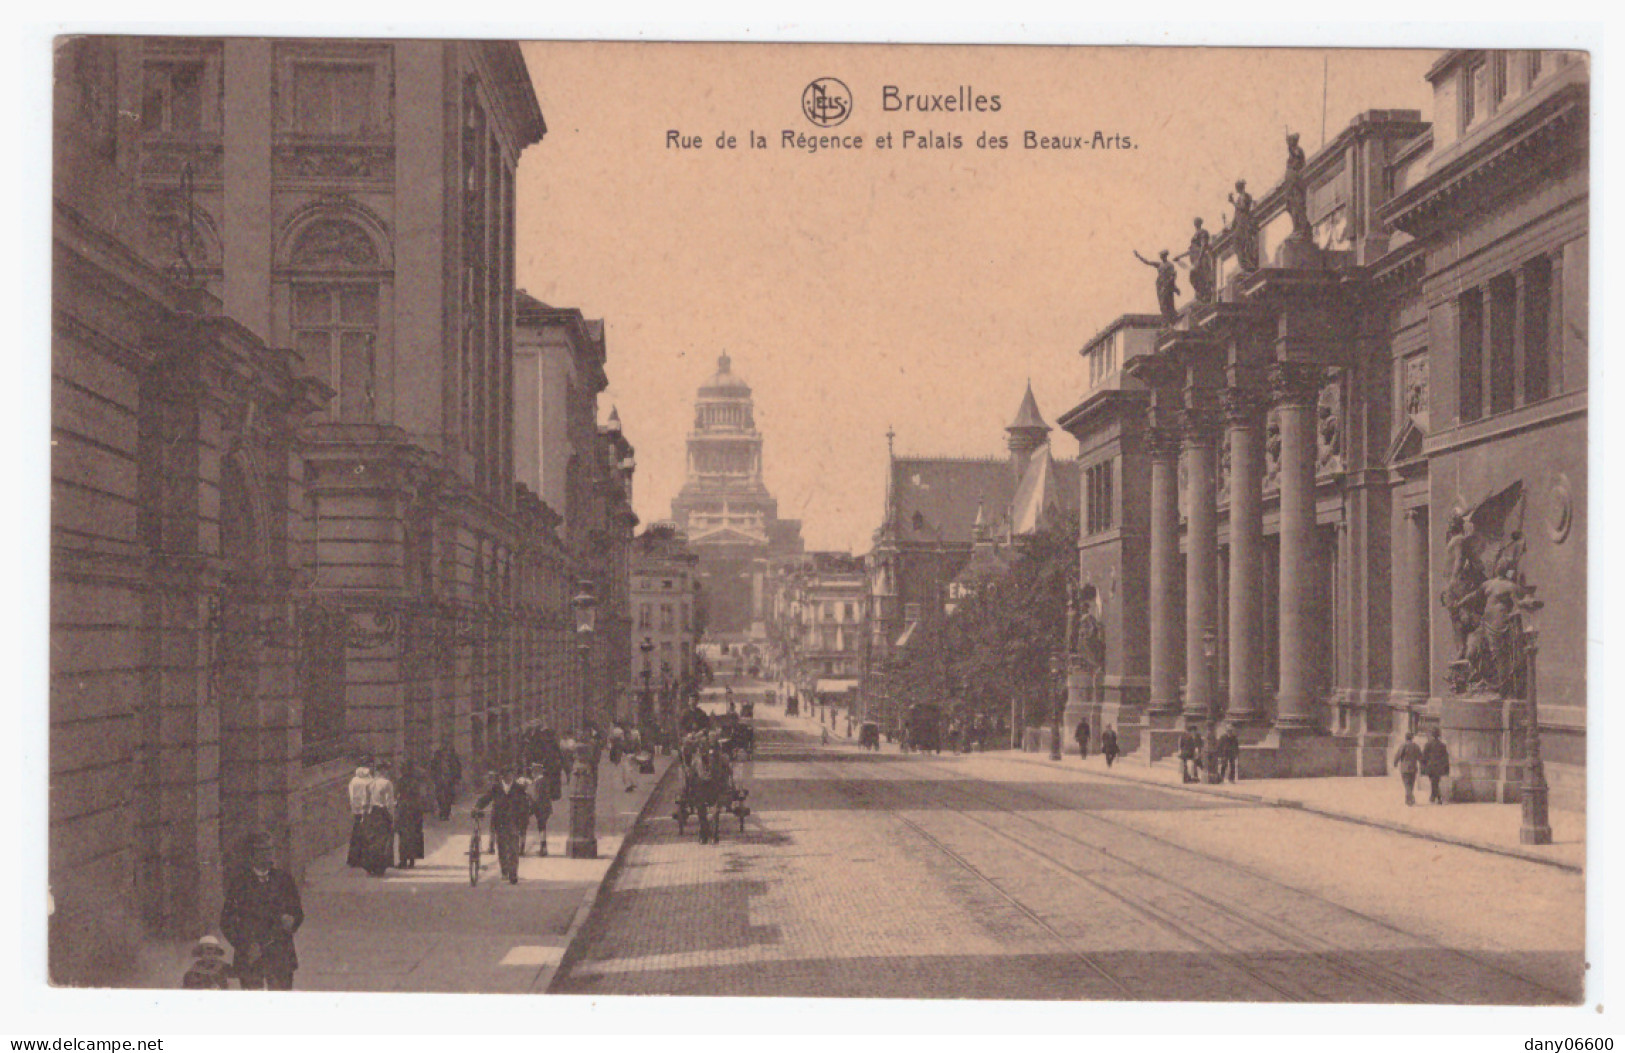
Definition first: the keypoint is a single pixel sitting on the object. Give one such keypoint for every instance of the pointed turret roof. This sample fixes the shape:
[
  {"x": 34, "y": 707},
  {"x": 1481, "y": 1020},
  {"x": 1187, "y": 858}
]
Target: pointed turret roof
[{"x": 1028, "y": 417}]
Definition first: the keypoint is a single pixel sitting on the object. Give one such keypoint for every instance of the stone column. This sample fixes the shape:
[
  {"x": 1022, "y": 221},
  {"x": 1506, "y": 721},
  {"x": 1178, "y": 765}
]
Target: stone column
[
  {"x": 1164, "y": 604},
  {"x": 1201, "y": 565},
  {"x": 1243, "y": 433},
  {"x": 1297, "y": 391}
]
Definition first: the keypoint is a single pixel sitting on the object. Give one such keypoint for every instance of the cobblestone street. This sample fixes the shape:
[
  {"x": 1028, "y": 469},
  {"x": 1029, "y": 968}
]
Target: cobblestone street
[{"x": 908, "y": 876}]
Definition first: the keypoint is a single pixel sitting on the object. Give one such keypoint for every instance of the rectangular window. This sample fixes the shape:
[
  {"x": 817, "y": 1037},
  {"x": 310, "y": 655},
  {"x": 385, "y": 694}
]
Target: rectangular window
[
  {"x": 1470, "y": 355},
  {"x": 332, "y": 99},
  {"x": 1503, "y": 361},
  {"x": 1532, "y": 65},
  {"x": 1472, "y": 80},
  {"x": 1098, "y": 494},
  {"x": 1498, "y": 79},
  {"x": 335, "y": 331},
  {"x": 1537, "y": 320},
  {"x": 172, "y": 97}
]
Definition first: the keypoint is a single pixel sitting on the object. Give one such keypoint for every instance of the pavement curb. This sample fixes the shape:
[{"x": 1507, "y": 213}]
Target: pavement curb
[
  {"x": 589, "y": 901},
  {"x": 1274, "y": 801}
]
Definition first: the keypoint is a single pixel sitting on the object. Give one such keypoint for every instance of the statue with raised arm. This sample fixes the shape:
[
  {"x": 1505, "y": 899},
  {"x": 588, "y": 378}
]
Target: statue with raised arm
[
  {"x": 1167, "y": 284},
  {"x": 1297, "y": 191},
  {"x": 1245, "y": 228},
  {"x": 1200, "y": 258}
]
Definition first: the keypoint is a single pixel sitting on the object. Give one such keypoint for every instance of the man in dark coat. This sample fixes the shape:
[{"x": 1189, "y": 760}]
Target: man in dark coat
[
  {"x": 1081, "y": 733},
  {"x": 1229, "y": 754},
  {"x": 1409, "y": 761},
  {"x": 446, "y": 771},
  {"x": 1435, "y": 765},
  {"x": 1190, "y": 754},
  {"x": 510, "y": 809},
  {"x": 693, "y": 719},
  {"x": 260, "y": 916},
  {"x": 1108, "y": 744}
]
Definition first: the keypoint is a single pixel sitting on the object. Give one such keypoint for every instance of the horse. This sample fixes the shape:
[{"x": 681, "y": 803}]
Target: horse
[{"x": 707, "y": 787}]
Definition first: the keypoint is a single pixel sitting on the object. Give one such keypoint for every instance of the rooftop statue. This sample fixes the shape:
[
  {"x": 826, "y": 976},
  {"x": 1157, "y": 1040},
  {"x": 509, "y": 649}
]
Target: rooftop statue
[{"x": 1167, "y": 284}]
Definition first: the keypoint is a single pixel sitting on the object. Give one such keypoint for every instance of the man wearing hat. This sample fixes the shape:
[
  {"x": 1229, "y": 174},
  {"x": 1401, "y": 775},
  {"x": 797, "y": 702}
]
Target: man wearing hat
[
  {"x": 510, "y": 809},
  {"x": 261, "y": 913}
]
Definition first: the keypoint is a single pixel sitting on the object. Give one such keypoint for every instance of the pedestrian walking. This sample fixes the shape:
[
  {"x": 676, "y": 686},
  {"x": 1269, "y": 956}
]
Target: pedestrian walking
[
  {"x": 1409, "y": 761},
  {"x": 208, "y": 971},
  {"x": 378, "y": 825},
  {"x": 1435, "y": 765},
  {"x": 631, "y": 746},
  {"x": 1108, "y": 744},
  {"x": 552, "y": 763},
  {"x": 446, "y": 771},
  {"x": 510, "y": 808},
  {"x": 358, "y": 814},
  {"x": 260, "y": 915},
  {"x": 411, "y": 802},
  {"x": 1229, "y": 754},
  {"x": 1081, "y": 734},
  {"x": 1190, "y": 756},
  {"x": 541, "y": 802}
]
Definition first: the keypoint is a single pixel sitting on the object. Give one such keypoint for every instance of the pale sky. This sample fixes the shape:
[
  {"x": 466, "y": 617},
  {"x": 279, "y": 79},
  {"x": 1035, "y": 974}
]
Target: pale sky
[{"x": 911, "y": 288}]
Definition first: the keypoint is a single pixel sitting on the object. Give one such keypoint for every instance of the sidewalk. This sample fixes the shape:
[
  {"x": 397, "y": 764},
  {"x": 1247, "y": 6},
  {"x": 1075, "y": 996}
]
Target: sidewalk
[
  {"x": 425, "y": 929},
  {"x": 1372, "y": 801}
]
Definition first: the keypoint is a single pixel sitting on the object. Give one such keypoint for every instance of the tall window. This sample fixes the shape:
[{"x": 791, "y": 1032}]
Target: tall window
[
  {"x": 172, "y": 97},
  {"x": 332, "y": 99},
  {"x": 335, "y": 314},
  {"x": 1498, "y": 78},
  {"x": 1537, "y": 321},
  {"x": 1470, "y": 354},
  {"x": 1472, "y": 80},
  {"x": 1503, "y": 363},
  {"x": 1098, "y": 494},
  {"x": 1532, "y": 65}
]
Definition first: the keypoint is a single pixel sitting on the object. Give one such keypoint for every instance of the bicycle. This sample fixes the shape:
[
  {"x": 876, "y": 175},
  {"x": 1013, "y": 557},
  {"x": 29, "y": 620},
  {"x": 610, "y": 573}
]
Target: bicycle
[{"x": 474, "y": 850}]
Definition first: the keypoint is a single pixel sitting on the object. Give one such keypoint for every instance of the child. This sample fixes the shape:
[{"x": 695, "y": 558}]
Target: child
[{"x": 208, "y": 971}]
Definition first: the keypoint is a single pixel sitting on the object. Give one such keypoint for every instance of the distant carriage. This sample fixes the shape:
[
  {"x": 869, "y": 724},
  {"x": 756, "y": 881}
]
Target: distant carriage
[
  {"x": 922, "y": 727},
  {"x": 869, "y": 736}
]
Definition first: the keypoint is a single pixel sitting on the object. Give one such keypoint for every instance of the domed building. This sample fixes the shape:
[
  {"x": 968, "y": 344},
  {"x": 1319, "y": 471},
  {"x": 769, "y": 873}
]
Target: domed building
[{"x": 731, "y": 519}]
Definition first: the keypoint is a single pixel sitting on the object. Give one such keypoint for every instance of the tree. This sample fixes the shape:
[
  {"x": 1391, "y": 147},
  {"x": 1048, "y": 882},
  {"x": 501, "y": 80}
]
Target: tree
[{"x": 1003, "y": 637}]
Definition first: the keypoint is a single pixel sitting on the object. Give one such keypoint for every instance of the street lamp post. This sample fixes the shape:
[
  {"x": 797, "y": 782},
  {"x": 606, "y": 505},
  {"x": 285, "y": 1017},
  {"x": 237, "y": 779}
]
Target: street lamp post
[
  {"x": 583, "y": 841},
  {"x": 1057, "y": 672},
  {"x": 1537, "y": 827},
  {"x": 1210, "y": 742},
  {"x": 645, "y": 648}
]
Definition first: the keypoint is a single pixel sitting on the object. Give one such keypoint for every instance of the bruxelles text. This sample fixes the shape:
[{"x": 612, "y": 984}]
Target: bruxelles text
[{"x": 908, "y": 139}]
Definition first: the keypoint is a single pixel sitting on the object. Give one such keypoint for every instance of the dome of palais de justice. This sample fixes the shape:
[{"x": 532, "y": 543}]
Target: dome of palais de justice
[{"x": 724, "y": 383}]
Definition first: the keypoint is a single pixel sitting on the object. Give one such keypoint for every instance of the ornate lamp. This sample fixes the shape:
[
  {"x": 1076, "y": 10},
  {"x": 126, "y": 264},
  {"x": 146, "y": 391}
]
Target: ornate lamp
[
  {"x": 1537, "y": 827},
  {"x": 583, "y": 841}
]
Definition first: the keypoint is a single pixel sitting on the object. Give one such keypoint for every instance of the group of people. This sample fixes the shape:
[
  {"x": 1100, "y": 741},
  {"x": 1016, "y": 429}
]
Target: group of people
[
  {"x": 1432, "y": 760},
  {"x": 1108, "y": 742},
  {"x": 386, "y": 817},
  {"x": 1193, "y": 755},
  {"x": 259, "y": 916}
]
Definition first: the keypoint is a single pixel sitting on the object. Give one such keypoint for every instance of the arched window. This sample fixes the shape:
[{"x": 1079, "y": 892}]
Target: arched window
[{"x": 335, "y": 313}]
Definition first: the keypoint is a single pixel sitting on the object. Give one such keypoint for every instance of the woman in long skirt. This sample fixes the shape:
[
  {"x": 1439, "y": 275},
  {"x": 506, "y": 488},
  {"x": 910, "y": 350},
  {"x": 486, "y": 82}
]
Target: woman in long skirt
[
  {"x": 409, "y": 808},
  {"x": 358, "y": 815},
  {"x": 378, "y": 829}
]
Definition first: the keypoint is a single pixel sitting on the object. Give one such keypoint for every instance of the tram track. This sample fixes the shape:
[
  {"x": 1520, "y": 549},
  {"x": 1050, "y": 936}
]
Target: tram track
[{"x": 1313, "y": 957}]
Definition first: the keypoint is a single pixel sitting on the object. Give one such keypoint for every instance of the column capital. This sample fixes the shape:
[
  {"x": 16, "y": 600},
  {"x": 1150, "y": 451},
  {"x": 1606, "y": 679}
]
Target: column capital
[
  {"x": 1242, "y": 407},
  {"x": 1197, "y": 427},
  {"x": 1296, "y": 383},
  {"x": 1162, "y": 441}
]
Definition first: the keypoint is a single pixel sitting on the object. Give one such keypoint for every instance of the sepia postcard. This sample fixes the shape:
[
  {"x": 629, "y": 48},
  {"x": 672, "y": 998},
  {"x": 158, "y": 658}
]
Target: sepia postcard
[{"x": 820, "y": 521}]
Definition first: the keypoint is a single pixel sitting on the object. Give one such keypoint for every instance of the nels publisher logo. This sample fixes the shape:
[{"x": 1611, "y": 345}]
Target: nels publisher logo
[{"x": 826, "y": 102}]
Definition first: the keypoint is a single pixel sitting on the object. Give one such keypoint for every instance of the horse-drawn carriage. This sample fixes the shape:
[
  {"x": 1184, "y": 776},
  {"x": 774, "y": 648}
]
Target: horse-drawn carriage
[
  {"x": 869, "y": 736},
  {"x": 708, "y": 786}
]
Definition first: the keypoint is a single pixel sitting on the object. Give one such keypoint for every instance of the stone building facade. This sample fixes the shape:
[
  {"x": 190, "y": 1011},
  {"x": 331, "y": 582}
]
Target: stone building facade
[
  {"x": 668, "y": 619},
  {"x": 819, "y": 623},
  {"x": 936, "y": 507},
  {"x": 1303, "y": 498},
  {"x": 725, "y": 508},
  {"x": 288, "y": 525}
]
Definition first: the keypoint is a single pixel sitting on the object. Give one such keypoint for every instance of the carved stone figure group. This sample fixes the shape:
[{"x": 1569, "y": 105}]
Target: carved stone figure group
[{"x": 1487, "y": 599}]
